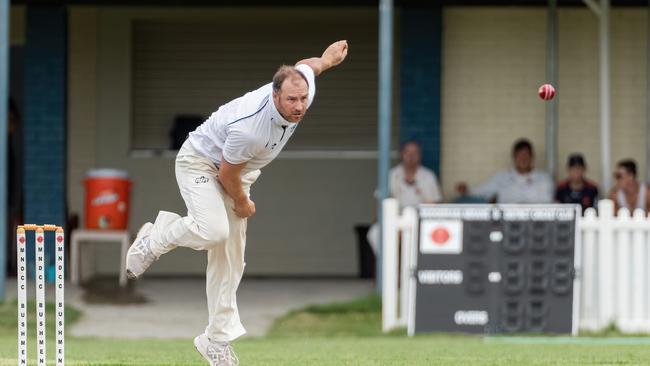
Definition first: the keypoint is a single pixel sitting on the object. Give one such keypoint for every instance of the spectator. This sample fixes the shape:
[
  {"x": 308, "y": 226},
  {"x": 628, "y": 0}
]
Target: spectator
[
  {"x": 577, "y": 188},
  {"x": 628, "y": 192},
  {"x": 523, "y": 184},
  {"x": 411, "y": 183}
]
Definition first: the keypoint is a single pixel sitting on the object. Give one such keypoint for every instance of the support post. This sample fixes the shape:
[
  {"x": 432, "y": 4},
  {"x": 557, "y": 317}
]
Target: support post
[{"x": 384, "y": 113}]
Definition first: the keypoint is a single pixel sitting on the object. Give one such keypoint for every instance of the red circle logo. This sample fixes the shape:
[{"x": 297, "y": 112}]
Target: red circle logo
[
  {"x": 59, "y": 239},
  {"x": 40, "y": 239},
  {"x": 22, "y": 240},
  {"x": 440, "y": 235}
]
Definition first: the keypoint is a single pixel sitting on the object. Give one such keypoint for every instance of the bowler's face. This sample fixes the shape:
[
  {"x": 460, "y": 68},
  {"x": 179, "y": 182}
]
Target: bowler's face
[{"x": 292, "y": 98}]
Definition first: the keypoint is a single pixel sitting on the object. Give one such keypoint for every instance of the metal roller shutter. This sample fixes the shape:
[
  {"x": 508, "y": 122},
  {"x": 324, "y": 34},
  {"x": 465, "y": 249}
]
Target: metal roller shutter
[{"x": 192, "y": 67}]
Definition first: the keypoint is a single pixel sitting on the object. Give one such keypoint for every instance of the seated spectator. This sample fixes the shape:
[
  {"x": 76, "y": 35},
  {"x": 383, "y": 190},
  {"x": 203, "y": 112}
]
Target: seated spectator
[
  {"x": 577, "y": 188},
  {"x": 410, "y": 183},
  {"x": 523, "y": 184},
  {"x": 628, "y": 192}
]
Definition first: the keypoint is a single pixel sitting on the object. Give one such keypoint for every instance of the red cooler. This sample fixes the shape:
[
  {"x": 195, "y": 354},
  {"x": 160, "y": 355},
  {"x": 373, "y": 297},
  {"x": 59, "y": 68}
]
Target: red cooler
[{"x": 107, "y": 199}]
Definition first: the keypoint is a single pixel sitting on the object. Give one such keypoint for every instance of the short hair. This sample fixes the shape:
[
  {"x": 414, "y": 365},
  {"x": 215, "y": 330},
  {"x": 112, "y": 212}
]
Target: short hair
[
  {"x": 409, "y": 142},
  {"x": 285, "y": 72},
  {"x": 629, "y": 165},
  {"x": 522, "y": 144},
  {"x": 576, "y": 159}
]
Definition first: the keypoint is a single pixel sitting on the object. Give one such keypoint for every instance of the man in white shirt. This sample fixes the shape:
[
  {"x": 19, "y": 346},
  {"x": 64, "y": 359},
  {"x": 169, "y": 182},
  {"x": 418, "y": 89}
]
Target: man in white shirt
[
  {"x": 214, "y": 170},
  {"x": 523, "y": 184},
  {"x": 411, "y": 183}
]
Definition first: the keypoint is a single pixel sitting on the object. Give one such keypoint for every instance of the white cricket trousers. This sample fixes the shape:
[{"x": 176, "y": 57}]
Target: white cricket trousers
[{"x": 211, "y": 225}]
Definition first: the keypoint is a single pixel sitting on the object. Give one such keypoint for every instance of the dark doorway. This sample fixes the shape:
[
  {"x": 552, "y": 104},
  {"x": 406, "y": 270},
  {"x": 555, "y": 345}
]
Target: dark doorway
[{"x": 15, "y": 153}]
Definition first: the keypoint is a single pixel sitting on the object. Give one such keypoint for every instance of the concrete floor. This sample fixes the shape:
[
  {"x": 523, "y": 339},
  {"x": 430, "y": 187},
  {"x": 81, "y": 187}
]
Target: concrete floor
[{"x": 177, "y": 307}]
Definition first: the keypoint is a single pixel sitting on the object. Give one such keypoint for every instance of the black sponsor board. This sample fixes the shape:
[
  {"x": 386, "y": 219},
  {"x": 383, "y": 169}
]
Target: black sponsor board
[{"x": 495, "y": 269}]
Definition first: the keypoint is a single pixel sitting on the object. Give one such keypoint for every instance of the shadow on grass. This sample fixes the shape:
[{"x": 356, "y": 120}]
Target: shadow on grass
[{"x": 106, "y": 290}]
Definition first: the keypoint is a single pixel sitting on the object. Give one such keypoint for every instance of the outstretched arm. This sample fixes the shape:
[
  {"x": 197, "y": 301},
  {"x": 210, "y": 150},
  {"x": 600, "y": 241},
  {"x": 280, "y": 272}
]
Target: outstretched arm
[{"x": 333, "y": 55}]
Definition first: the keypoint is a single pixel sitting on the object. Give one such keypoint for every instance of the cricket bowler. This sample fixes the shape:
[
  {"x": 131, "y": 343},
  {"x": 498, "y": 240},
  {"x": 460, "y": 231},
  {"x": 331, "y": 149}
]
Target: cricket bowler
[{"x": 215, "y": 169}]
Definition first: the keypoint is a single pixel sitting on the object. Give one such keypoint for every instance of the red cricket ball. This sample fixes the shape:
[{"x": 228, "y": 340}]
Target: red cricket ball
[{"x": 546, "y": 91}]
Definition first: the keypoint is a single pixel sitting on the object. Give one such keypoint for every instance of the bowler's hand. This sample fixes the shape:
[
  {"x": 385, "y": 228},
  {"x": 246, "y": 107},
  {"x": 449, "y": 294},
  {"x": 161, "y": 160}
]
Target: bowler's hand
[
  {"x": 336, "y": 53},
  {"x": 245, "y": 209}
]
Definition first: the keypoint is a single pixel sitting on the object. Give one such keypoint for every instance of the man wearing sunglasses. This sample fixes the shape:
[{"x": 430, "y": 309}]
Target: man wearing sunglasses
[{"x": 628, "y": 192}]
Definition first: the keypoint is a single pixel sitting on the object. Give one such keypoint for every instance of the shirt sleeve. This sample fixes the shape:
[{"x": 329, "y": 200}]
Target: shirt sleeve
[
  {"x": 311, "y": 80},
  {"x": 239, "y": 147},
  {"x": 547, "y": 189},
  {"x": 393, "y": 183},
  {"x": 490, "y": 188},
  {"x": 431, "y": 188},
  {"x": 435, "y": 189}
]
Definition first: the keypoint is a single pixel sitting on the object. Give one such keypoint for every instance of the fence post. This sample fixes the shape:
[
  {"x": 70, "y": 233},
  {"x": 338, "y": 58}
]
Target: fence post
[
  {"x": 390, "y": 213},
  {"x": 605, "y": 249},
  {"x": 622, "y": 258},
  {"x": 589, "y": 271},
  {"x": 409, "y": 239},
  {"x": 639, "y": 278}
]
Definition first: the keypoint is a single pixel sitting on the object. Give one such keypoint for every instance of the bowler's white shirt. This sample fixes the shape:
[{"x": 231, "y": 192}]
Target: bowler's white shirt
[
  {"x": 248, "y": 129},
  {"x": 511, "y": 187},
  {"x": 423, "y": 190}
]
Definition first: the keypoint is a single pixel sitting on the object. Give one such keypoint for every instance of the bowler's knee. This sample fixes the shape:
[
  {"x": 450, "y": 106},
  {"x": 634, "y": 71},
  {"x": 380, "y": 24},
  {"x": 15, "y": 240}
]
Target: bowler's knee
[{"x": 214, "y": 235}]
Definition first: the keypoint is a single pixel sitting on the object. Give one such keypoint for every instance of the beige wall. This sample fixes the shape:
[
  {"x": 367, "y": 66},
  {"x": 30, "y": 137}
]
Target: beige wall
[
  {"x": 579, "y": 84},
  {"x": 17, "y": 25},
  {"x": 306, "y": 207},
  {"x": 629, "y": 97},
  {"x": 493, "y": 62}
]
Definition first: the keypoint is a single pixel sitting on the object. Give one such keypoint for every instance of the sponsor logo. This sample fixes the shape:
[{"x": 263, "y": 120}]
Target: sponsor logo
[
  {"x": 441, "y": 237},
  {"x": 440, "y": 277},
  {"x": 471, "y": 317},
  {"x": 201, "y": 179},
  {"x": 106, "y": 198}
]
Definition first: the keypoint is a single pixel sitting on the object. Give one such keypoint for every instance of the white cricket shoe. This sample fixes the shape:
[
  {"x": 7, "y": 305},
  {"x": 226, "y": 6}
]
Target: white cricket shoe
[
  {"x": 139, "y": 257},
  {"x": 216, "y": 353}
]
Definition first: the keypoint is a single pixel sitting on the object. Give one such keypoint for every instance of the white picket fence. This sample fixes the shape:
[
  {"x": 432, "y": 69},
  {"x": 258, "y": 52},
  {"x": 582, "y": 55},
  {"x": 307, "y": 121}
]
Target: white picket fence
[
  {"x": 613, "y": 271},
  {"x": 396, "y": 298}
]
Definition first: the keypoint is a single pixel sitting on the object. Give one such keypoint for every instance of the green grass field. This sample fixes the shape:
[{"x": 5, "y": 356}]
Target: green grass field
[{"x": 343, "y": 334}]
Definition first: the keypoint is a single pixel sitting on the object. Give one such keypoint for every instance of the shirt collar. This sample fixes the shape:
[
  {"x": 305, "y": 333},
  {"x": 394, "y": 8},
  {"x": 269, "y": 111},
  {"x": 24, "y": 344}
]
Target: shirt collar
[
  {"x": 403, "y": 169},
  {"x": 526, "y": 175}
]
